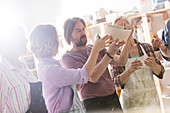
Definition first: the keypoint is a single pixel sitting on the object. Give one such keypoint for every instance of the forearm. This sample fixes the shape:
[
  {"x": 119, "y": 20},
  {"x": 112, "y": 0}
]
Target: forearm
[
  {"x": 120, "y": 60},
  {"x": 124, "y": 77},
  {"x": 91, "y": 62},
  {"x": 157, "y": 69},
  {"x": 100, "y": 68},
  {"x": 165, "y": 51}
]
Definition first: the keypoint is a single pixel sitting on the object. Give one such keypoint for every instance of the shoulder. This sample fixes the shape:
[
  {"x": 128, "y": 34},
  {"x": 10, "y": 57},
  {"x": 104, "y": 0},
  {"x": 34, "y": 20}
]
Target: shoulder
[{"x": 44, "y": 68}]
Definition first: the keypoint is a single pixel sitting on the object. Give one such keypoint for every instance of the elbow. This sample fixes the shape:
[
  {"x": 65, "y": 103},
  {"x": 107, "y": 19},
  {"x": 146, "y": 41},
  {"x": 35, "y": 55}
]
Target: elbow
[{"x": 93, "y": 80}]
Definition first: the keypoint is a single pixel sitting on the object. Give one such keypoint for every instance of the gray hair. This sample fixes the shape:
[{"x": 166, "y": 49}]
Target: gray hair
[
  {"x": 121, "y": 18},
  {"x": 44, "y": 41}
]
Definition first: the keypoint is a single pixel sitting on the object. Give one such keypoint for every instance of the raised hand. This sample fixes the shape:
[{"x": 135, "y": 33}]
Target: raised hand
[
  {"x": 157, "y": 43},
  {"x": 100, "y": 44},
  {"x": 135, "y": 65},
  {"x": 114, "y": 46}
]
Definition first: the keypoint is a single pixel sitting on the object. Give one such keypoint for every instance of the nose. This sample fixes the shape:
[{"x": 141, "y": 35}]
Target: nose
[{"x": 83, "y": 32}]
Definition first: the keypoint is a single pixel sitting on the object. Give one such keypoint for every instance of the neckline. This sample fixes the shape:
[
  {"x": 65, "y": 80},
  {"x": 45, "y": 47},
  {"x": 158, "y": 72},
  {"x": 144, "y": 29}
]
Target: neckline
[{"x": 136, "y": 56}]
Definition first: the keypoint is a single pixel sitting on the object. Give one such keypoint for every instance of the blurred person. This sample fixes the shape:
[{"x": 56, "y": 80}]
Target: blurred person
[
  {"x": 20, "y": 91},
  {"x": 138, "y": 94},
  {"x": 59, "y": 84},
  {"x": 163, "y": 44},
  {"x": 99, "y": 93}
]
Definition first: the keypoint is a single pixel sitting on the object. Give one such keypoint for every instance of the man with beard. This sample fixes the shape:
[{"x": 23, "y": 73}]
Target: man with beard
[{"x": 99, "y": 93}]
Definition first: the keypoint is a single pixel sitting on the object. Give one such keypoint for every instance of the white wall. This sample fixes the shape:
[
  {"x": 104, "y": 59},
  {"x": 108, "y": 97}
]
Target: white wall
[{"x": 32, "y": 12}]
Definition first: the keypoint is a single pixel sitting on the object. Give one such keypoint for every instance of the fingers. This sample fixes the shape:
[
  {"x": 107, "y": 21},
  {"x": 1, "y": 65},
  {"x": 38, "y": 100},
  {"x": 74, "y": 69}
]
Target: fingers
[
  {"x": 135, "y": 65},
  {"x": 120, "y": 44},
  {"x": 128, "y": 27},
  {"x": 108, "y": 43},
  {"x": 106, "y": 37},
  {"x": 150, "y": 61}
]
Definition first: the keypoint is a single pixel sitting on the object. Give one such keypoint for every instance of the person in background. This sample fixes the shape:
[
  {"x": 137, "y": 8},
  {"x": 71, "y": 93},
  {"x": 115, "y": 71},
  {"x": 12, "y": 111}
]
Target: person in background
[
  {"x": 59, "y": 84},
  {"x": 20, "y": 91},
  {"x": 99, "y": 93},
  {"x": 164, "y": 44},
  {"x": 138, "y": 92}
]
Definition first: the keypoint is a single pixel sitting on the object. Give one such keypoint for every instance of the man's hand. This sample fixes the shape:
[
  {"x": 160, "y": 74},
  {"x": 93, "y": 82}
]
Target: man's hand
[{"x": 115, "y": 46}]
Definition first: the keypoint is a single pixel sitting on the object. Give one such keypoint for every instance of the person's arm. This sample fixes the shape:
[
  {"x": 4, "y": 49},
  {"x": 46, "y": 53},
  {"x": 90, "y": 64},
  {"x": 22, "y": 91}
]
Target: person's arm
[
  {"x": 135, "y": 65},
  {"x": 99, "y": 45},
  {"x": 66, "y": 77},
  {"x": 153, "y": 62},
  {"x": 156, "y": 68},
  {"x": 121, "y": 75},
  {"x": 157, "y": 43},
  {"x": 115, "y": 73},
  {"x": 120, "y": 60},
  {"x": 103, "y": 64},
  {"x": 100, "y": 68},
  {"x": 3, "y": 92},
  {"x": 165, "y": 51}
]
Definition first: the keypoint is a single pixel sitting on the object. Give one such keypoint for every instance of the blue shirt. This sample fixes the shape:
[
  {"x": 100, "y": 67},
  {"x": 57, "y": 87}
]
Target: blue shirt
[{"x": 166, "y": 37}]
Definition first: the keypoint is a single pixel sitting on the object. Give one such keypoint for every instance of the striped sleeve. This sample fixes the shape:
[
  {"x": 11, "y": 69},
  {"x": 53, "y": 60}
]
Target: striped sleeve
[
  {"x": 116, "y": 71},
  {"x": 14, "y": 95}
]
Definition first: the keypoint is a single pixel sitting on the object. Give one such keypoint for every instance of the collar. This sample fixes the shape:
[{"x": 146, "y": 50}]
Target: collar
[{"x": 49, "y": 60}]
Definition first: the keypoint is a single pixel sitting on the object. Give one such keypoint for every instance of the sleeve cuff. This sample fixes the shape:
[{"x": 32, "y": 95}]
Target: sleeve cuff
[
  {"x": 117, "y": 83},
  {"x": 166, "y": 58},
  {"x": 160, "y": 76},
  {"x": 85, "y": 77}
]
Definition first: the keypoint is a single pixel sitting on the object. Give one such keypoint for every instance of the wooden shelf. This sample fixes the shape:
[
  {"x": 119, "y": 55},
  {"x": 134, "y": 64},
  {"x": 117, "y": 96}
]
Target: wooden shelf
[{"x": 163, "y": 11}]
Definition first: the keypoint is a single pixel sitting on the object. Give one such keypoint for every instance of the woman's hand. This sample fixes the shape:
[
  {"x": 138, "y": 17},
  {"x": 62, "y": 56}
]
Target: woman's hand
[
  {"x": 135, "y": 65},
  {"x": 156, "y": 68},
  {"x": 150, "y": 61}
]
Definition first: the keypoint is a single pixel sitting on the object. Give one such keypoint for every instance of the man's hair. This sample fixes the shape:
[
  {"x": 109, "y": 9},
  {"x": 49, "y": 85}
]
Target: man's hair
[
  {"x": 121, "y": 18},
  {"x": 44, "y": 41},
  {"x": 69, "y": 26}
]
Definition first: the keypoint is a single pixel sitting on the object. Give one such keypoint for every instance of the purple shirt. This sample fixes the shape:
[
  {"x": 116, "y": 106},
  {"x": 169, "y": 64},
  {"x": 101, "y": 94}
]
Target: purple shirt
[
  {"x": 56, "y": 83},
  {"x": 104, "y": 86}
]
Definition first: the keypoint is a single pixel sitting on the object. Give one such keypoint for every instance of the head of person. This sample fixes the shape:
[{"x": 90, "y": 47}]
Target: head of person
[
  {"x": 12, "y": 40},
  {"x": 124, "y": 22},
  {"x": 74, "y": 32},
  {"x": 44, "y": 41},
  {"x": 121, "y": 21}
]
